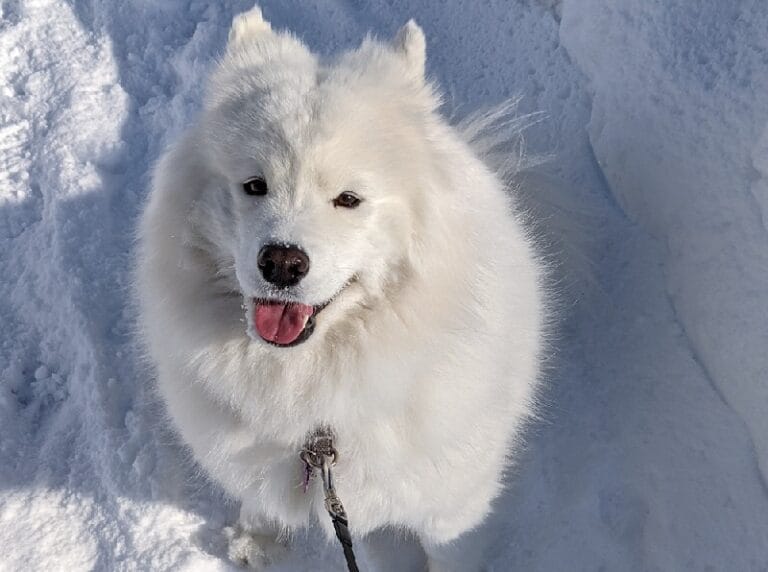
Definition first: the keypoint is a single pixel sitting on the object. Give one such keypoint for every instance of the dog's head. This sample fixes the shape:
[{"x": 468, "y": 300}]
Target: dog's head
[{"x": 319, "y": 173}]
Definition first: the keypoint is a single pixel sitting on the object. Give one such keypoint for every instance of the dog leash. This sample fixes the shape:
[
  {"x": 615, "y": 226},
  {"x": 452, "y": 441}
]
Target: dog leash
[{"x": 319, "y": 453}]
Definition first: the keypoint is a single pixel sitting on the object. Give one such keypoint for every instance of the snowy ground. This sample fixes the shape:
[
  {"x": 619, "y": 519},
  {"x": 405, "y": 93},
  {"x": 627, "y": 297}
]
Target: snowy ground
[{"x": 653, "y": 453}]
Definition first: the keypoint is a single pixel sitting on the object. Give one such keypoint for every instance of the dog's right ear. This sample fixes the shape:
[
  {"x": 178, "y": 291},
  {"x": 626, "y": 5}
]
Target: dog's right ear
[
  {"x": 410, "y": 43},
  {"x": 247, "y": 27}
]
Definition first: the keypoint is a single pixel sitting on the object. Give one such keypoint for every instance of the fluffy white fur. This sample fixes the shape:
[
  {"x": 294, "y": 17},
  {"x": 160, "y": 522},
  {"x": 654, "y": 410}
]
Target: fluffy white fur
[{"x": 424, "y": 363}]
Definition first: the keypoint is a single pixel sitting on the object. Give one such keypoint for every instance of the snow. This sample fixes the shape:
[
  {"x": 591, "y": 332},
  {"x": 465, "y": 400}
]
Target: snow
[{"x": 653, "y": 450}]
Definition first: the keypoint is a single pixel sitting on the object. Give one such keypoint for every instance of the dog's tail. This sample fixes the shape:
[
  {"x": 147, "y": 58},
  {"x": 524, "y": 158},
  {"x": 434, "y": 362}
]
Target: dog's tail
[
  {"x": 565, "y": 226},
  {"x": 496, "y": 135}
]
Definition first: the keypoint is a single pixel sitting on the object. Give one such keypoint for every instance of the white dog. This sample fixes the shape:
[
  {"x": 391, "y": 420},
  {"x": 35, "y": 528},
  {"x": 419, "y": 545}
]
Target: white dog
[{"x": 324, "y": 250}]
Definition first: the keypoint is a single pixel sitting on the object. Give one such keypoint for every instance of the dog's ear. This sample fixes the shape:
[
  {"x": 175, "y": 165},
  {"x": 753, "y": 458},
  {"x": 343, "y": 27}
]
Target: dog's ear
[
  {"x": 248, "y": 26},
  {"x": 410, "y": 43}
]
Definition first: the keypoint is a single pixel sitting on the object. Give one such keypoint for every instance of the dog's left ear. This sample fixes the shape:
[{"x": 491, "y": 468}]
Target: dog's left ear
[
  {"x": 410, "y": 43},
  {"x": 247, "y": 27}
]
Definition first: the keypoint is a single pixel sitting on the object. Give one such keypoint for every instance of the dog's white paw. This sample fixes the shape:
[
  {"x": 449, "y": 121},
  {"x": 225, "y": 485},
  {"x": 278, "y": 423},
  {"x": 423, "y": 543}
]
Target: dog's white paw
[{"x": 251, "y": 549}]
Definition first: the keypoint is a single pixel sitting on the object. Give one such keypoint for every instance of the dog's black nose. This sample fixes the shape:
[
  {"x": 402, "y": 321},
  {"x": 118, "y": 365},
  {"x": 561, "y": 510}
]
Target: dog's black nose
[{"x": 283, "y": 266}]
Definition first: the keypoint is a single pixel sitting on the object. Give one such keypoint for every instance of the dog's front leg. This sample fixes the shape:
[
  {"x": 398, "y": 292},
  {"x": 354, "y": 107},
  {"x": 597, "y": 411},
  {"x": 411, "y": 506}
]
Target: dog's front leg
[{"x": 255, "y": 541}]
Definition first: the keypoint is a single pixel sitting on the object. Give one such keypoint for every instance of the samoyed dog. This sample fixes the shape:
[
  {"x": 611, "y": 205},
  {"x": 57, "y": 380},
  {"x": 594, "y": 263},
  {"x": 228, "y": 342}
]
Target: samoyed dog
[{"x": 323, "y": 249}]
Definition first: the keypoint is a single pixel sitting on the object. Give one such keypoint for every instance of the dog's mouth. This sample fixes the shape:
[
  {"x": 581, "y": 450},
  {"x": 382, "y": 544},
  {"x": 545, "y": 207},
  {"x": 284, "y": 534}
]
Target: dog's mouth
[{"x": 284, "y": 323}]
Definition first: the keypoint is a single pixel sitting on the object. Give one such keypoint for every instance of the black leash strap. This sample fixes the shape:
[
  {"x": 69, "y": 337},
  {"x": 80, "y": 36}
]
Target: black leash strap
[
  {"x": 319, "y": 453},
  {"x": 342, "y": 533}
]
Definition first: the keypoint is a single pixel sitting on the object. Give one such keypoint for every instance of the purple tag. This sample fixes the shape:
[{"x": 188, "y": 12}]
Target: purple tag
[{"x": 308, "y": 471}]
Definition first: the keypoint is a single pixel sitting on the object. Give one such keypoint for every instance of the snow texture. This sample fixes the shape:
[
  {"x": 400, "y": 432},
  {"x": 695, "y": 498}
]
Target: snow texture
[{"x": 653, "y": 449}]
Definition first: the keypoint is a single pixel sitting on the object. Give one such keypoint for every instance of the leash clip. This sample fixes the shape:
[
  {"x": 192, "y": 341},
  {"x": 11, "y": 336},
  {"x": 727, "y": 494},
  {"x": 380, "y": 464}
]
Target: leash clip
[
  {"x": 332, "y": 501},
  {"x": 314, "y": 460},
  {"x": 319, "y": 453}
]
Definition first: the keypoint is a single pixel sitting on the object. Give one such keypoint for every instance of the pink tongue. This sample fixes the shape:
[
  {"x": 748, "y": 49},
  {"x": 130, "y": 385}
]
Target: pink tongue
[{"x": 281, "y": 323}]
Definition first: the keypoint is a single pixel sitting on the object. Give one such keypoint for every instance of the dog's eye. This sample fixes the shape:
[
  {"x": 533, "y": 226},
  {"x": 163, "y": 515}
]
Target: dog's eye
[
  {"x": 347, "y": 200},
  {"x": 255, "y": 186}
]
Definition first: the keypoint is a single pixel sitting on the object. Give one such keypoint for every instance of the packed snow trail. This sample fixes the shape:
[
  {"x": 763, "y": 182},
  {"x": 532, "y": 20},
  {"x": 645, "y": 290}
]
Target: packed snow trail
[
  {"x": 693, "y": 171},
  {"x": 648, "y": 455}
]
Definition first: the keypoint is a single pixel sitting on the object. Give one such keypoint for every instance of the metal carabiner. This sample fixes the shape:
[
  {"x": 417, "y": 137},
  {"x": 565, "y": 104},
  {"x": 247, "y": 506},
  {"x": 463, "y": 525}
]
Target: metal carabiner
[
  {"x": 332, "y": 501},
  {"x": 327, "y": 475}
]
